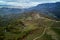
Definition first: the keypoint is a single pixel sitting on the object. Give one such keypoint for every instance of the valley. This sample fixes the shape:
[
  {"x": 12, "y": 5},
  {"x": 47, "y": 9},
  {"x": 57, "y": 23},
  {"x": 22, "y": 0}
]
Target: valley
[{"x": 41, "y": 22}]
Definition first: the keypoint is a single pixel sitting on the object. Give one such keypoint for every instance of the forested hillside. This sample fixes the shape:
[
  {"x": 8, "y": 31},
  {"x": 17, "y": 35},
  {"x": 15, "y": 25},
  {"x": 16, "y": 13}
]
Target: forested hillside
[{"x": 29, "y": 26}]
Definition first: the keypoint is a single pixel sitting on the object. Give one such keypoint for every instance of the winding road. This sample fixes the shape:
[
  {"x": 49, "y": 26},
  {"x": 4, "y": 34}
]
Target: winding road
[{"x": 42, "y": 33}]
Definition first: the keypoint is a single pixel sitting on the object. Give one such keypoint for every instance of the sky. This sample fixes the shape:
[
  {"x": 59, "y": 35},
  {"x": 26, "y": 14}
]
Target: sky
[{"x": 25, "y": 3}]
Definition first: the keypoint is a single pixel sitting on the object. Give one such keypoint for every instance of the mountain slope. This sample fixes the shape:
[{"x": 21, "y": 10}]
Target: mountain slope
[
  {"x": 48, "y": 9},
  {"x": 8, "y": 9},
  {"x": 29, "y": 26}
]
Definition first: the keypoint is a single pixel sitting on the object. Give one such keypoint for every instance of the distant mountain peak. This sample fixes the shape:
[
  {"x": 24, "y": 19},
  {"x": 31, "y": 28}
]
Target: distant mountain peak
[{"x": 10, "y": 6}]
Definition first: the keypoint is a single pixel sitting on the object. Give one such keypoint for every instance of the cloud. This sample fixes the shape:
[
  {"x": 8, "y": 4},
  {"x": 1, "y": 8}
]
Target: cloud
[
  {"x": 2, "y": 2},
  {"x": 25, "y": 3},
  {"x": 28, "y": 0},
  {"x": 16, "y": 0}
]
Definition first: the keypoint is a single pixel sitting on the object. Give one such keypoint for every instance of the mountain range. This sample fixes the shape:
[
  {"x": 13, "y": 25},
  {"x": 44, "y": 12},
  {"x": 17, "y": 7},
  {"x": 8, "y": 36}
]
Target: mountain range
[{"x": 50, "y": 9}]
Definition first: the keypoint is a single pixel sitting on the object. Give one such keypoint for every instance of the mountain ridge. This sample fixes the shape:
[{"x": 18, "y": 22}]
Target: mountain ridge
[{"x": 49, "y": 9}]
